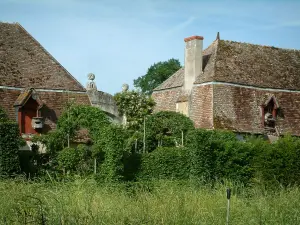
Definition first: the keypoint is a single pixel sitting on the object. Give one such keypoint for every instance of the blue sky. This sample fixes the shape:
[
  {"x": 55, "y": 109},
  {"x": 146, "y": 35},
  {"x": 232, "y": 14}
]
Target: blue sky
[{"x": 119, "y": 40}]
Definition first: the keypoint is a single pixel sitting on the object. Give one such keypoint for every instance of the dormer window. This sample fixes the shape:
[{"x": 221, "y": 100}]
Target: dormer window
[
  {"x": 269, "y": 114},
  {"x": 29, "y": 117}
]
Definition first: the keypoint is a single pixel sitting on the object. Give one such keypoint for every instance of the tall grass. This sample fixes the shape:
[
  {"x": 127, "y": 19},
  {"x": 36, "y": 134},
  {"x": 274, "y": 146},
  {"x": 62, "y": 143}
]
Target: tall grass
[{"x": 162, "y": 202}]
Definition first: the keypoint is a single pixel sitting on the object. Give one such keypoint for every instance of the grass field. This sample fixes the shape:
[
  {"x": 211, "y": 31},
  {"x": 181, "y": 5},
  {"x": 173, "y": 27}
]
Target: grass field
[{"x": 164, "y": 202}]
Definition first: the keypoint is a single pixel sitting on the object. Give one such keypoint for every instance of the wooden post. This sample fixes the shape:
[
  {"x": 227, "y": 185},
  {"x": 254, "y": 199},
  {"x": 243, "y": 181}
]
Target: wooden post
[
  {"x": 144, "y": 138},
  {"x": 95, "y": 166}
]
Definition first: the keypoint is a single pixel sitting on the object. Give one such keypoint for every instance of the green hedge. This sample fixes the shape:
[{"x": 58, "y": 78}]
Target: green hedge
[
  {"x": 216, "y": 155},
  {"x": 165, "y": 163},
  {"x": 277, "y": 163},
  {"x": 9, "y": 147}
]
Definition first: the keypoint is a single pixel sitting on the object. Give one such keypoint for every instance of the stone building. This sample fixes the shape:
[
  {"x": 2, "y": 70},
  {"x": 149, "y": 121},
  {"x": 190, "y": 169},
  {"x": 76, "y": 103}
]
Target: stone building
[
  {"x": 34, "y": 87},
  {"x": 236, "y": 86}
]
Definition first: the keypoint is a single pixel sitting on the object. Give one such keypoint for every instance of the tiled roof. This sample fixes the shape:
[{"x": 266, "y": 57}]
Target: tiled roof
[
  {"x": 247, "y": 64},
  {"x": 176, "y": 80},
  {"x": 256, "y": 65},
  {"x": 25, "y": 63}
]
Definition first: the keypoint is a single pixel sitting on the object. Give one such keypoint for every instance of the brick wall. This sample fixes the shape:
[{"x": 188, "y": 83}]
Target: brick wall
[
  {"x": 7, "y": 99},
  {"x": 239, "y": 109},
  {"x": 166, "y": 99},
  {"x": 54, "y": 103},
  {"x": 201, "y": 106}
]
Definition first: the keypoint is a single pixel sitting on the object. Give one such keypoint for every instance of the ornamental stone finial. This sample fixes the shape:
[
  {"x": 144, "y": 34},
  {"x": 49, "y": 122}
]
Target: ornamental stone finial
[
  {"x": 91, "y": 85},
  {"x": 125, "y": 87},
  {"x": 91, "y": 76}
]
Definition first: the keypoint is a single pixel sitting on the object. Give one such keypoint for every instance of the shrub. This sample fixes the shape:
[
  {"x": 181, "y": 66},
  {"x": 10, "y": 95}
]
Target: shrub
[
  {"x": 3, "y": 116},
  {"x": 10, "y": 141},
  {"x": 113, "y": 140},
  {"x": 68, "y": 159},
  {"x": 165, "y": 129},
  {"x": 75, "y": 117},
  {"x": 85, "y": 160},
  {"x": 165, "y": 163}
]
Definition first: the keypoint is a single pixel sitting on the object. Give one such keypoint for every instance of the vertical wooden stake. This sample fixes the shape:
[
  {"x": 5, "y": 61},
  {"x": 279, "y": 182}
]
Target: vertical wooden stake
[
  {"x": 144, "y": 138},
  {"x": 95, "y": 166},
  {"x": 228, "y": 191}
]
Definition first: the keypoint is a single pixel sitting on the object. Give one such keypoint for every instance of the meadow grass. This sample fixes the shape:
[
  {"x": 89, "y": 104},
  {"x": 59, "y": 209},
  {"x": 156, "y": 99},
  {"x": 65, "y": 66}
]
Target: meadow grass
[{"x": 161, "y": 202}]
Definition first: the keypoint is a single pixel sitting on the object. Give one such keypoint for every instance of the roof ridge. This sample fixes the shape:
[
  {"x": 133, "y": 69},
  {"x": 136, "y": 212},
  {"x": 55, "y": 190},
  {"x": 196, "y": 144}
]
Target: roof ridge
[
  {"x": 267, "y": 46},
  {"x": 48, "y": 53}
]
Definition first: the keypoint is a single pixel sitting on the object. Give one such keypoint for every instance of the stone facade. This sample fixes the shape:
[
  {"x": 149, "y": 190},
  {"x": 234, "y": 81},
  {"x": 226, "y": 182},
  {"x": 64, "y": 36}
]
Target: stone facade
[{"x": 243, "y": 87}]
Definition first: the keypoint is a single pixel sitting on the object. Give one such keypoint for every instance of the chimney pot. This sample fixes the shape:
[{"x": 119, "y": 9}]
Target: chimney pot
[{"x": 193, "y": 38}]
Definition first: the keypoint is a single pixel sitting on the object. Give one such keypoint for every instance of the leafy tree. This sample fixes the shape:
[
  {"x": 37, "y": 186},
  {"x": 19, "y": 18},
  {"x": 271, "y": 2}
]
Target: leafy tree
[
  {"x": 156, "y": 74},
  {"x": 75, "y": 117},
  {"x": 135, "y": 106}
]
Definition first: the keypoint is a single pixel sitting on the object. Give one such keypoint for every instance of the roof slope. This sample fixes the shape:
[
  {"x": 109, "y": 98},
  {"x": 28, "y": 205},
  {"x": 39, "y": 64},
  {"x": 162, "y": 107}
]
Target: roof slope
[
  {"x": 247, "y": 64},
  {"x": 25, "y": 63},
  {"x": 256, "y": 65}
]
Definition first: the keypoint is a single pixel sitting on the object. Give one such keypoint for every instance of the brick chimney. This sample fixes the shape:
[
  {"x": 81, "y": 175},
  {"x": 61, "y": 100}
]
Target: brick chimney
[{"x": 192, "y": 60}]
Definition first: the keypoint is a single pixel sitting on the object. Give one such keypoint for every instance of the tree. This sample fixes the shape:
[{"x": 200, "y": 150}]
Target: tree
[
  {"x": 156, "y": 74},
  {"x": 135, "y": 106},
  {"x": 166, "y": 129}
]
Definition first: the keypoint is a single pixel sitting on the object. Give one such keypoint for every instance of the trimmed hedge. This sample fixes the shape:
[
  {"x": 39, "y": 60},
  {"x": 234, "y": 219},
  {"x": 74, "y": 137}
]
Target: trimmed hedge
[
  {"x": 9, "y": 147},
  {"x": 165, "y": 163},
  {"x": 219, "y": 155}
]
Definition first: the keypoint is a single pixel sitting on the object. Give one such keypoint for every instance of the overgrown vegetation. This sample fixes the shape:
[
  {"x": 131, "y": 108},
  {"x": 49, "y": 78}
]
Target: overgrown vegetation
[
  {"x": 160, "y": 202},
  {"x": 175, "y": 174}
]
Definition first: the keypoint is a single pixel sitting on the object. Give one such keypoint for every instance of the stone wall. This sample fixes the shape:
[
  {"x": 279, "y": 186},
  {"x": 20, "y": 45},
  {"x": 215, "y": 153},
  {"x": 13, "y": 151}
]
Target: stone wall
[{"x": 105, "y": 102}]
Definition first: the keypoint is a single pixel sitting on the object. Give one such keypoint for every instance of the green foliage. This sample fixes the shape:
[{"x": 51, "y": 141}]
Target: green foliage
[
  {"x": 278, "y": 163},
  {"x": 218, "y": 155},
  {"x": 54, "y": 141},
  {"x": 166, "y": 129},
  {"x": 165, "y": 163},
  {"x": 10, "y": 141},
  {"x": 156, "y": 74},
  {"x": 135, "y": 106},
  {"x": 75, "y": 117},
  {"x": 113, "y": 140},
  {"x": 3, "y": 116},
  {"x": 85, "y": 160},
  {"x": 68, "y": 159}
]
